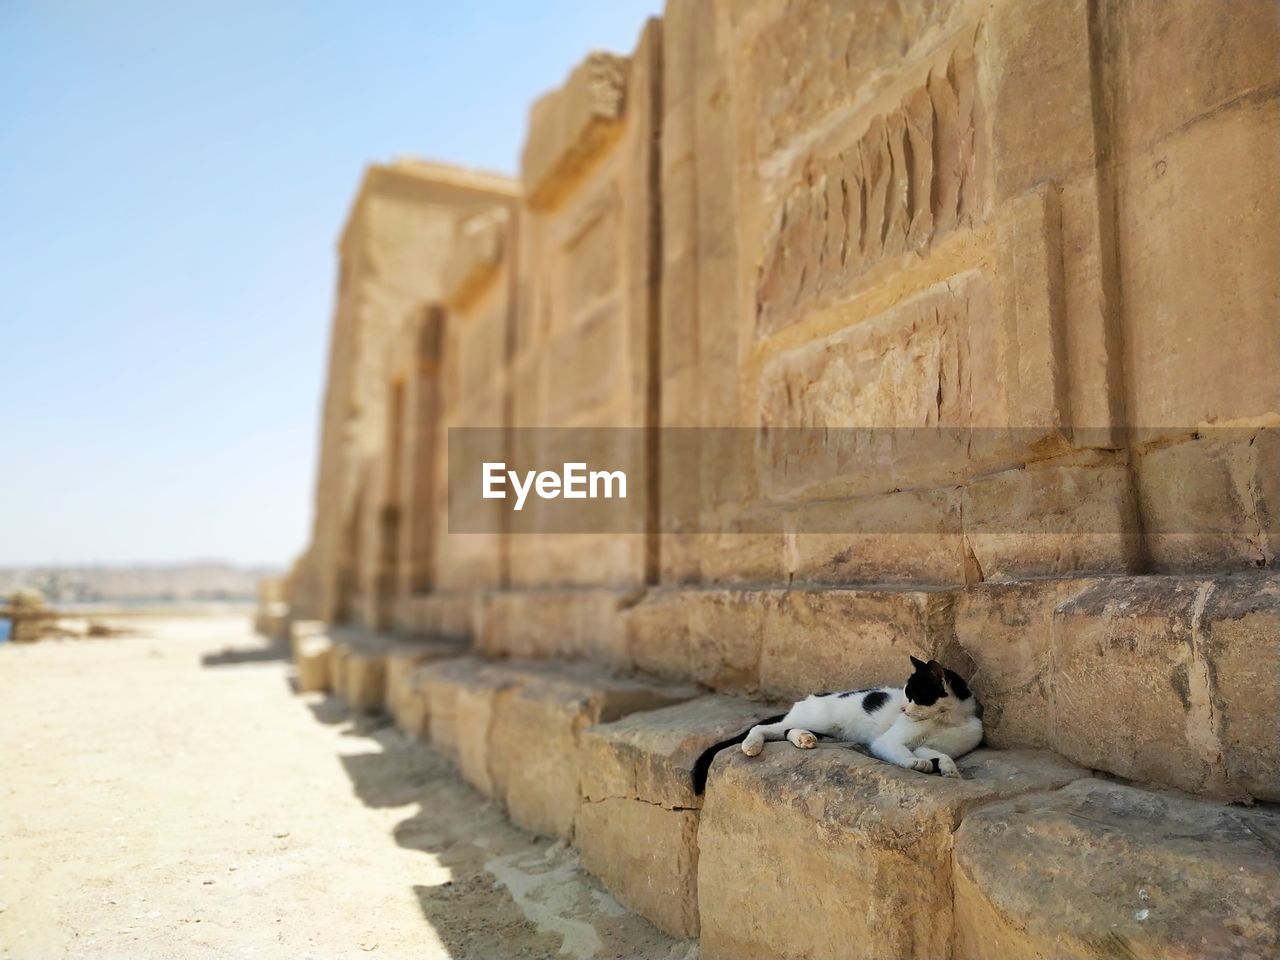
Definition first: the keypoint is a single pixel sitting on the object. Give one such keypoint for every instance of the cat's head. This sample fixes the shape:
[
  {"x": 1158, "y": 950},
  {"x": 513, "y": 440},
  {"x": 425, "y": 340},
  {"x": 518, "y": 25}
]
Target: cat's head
[{"x": 932, "y": 689}]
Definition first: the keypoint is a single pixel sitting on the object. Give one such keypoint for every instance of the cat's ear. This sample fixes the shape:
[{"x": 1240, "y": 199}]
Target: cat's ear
[
  {"x": 919, "y": 664},
  {"x": 937, "y": 672},
  {"x": 958, "y": 686}
]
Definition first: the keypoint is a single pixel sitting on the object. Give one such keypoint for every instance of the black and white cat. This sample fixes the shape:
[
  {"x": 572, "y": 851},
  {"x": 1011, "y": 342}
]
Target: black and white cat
[{"x": 924, "y": 726}]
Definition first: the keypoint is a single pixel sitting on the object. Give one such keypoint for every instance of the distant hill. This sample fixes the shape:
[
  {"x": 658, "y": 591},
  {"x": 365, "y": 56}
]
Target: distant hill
[{"x": 199, "y": 581}]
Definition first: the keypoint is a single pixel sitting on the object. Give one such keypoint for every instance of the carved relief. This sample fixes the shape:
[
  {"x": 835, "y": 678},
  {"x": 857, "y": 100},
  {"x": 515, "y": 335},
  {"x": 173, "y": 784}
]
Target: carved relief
[{"x": 911, "y": 178}]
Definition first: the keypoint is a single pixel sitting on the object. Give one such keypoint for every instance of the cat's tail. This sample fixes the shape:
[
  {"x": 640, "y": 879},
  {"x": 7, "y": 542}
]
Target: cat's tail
[{"x": 702, "y": 766}]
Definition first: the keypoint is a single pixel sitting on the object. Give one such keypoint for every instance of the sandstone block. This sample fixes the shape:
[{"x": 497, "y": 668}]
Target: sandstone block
[
  {"x": 301, "y": 629},
  {"x": 1067, "y": 515},
  {"x": 884, "y": 832},
  {"x": 657, "y": 634},
  {"x": 912, "y": 536},
  {"x": 1006, "y": 631},
  {"x": 725, "y": 637},
  {"x": 535, "y": 739},
  {"x": 819, "y": 641},
  {"x": 479, "y": 248},
  {"x": 1241, "y": 624},
  {"x": 1212, "y": 502},
  {"x": 637, "y": 826},
  {"x": 1103, "y": 869},
  {"x": 536, "y": 624},
  {"x": 1043, "y": 95},
  {"x": 311, "y": 659},
  {"x": 361, "y": 681},
  {"x": 570, "y": 126},
  {"x": 1167, "y": 679},
  {"x": 405, "y": 699},
  {"x": 1191, "y": 273},
  {"x": 1185, "y": 60},
  {"x": 411, "y": 707},
  {"x": 440, "y": 683}
]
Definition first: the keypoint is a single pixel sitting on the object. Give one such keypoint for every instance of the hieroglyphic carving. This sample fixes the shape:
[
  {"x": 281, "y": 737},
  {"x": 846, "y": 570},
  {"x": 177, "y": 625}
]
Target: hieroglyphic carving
[{"x": 911, "y": 178}]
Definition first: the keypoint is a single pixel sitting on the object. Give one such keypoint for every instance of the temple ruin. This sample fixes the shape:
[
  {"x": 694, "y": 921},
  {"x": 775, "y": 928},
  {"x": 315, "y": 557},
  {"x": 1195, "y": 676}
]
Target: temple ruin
[{"x": 1043, "y": 235}]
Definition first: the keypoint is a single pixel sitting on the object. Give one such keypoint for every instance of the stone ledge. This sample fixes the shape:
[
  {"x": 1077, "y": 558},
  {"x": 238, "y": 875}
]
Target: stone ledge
[
  {"x": 535, "y": 741},
  {"x": 569, "y": 126},
  {"x": 885, "y": 832},
  {"x": 1128, "y": 873},
  {"x": 479, "y": 249},
  {"x": 311, "y": 656},
  {"x": 404, "y": 697},
  {"x": 1173, "y": 680},
  {"x": 637, "y": 826},
  {"x": 357, "y": 670}
]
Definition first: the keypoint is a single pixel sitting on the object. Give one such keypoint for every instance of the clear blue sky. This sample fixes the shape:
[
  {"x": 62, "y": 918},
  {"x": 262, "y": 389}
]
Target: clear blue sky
[{"x": 173, "y": 177}]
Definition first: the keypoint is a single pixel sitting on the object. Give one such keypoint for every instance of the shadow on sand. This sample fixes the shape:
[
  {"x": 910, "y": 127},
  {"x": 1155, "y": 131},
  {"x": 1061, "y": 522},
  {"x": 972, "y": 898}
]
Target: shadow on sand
[
  {"x": 511, "y": 895},
  {"x": 230, "y": 656}
]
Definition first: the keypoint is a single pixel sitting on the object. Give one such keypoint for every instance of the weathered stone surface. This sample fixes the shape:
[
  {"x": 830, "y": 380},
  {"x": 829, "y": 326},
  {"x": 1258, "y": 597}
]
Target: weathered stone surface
[
  {"x": 1006, "y": 631},
  {"x": 884, "y": 832},
  {"x": 1043, "y": 95},
  {"x": 647, "y": 857},
  {"x": 857, "y": 540},
  {"x": 914, "y": 175},
  {"x": 1101, "y": 869},
  {"x": 1074, "y": 514},
  {"x": 657, "y": 634},
  {"x": 1191, "y": 273},
  {"x": 1241, "y": 624},
  {"x": 404, "y": 695},
  {"x": 535, "y": 736},
  {"x": 637, "y": 826},
  {"x": 819, "y": 641},
  {"x": 440, "y": 683},
  {"x": 906, "y": 368},
  {"x": 311, "y": 656},
  {"x": 1212, "y": 502},
  {"x": 535, "y": 624},
  {"x": 650, "y": 755},
  {"x": 725, "y": 637},
  {"x": 572, "y": 124},
  {"x": 479, "y": 248},
  {"x": 1168, "y": 679},
  {"x": 361, "y": 679},
  {"x": 411, "y": 709}
]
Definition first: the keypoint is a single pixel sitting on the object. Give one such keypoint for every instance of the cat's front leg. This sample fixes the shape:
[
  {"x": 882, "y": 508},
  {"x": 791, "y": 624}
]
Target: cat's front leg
[
  {"x": 946, "y": 766},
  {"x": 890, "y": 748}
]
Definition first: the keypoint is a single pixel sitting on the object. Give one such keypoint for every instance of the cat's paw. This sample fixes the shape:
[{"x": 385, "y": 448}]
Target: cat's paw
[
  {"x": 924, "y": 766},
  {"x": 753, "y": 744},
  {"x": 802, "y": 739},
  {"x": 947, "y": 767}
]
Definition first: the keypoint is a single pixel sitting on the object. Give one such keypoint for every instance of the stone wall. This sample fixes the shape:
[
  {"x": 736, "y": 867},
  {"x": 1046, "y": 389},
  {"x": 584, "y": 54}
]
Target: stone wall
[
  {"x": 392, "y": 252},
  {"x": 1042, "y": 233}
]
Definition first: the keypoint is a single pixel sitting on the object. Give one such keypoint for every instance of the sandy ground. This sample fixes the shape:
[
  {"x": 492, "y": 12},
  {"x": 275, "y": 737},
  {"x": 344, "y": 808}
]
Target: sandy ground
[{"x": 166, "y": 795}]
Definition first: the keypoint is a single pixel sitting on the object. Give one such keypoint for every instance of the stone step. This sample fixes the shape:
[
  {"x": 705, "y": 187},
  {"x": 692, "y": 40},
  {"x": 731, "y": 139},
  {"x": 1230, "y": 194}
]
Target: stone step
[
  {"x": 829, "y": 853},
  {"x": 637, "y": 827},
  {"x": 1167, "y": 680},
  {"x": 1104, "y": 869},
  {"x": 311, "y": 657},
  {"x": 367, "y": 670},
  {"x": 1188, "y": 665},
  {"x": 514, "y": 727},
  {"x": 402, "y": 699}
]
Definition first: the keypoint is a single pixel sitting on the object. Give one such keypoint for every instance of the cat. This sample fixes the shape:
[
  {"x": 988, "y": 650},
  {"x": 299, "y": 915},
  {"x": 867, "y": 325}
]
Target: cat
[{"x": 924, "y": 726}]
